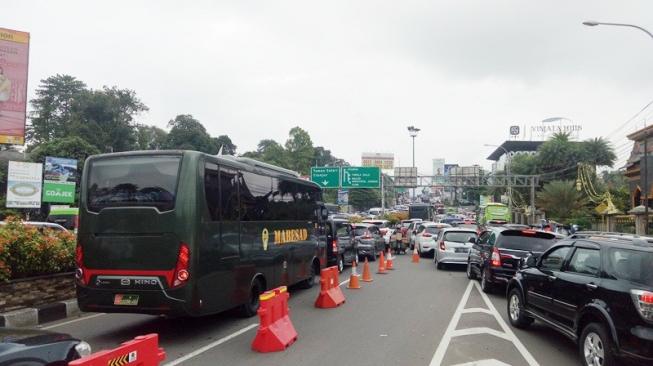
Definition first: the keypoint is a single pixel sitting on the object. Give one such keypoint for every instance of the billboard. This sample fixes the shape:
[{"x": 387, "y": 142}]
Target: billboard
[
  {"x": 343, "y": 197},
  {"x": 24, "y": 185},
  {"x": 379, "y": 160},
  {"x": 438, "y": 166},
  {"x": 59, "y": 178},
  {"x": 405, "y": 177},
  {"x": 14, "y": 55}
]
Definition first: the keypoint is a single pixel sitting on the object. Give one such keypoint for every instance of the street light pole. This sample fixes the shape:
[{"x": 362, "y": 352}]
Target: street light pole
[
  {"x": 591, "y": 23},
  {"x": 412, "y": 130}
]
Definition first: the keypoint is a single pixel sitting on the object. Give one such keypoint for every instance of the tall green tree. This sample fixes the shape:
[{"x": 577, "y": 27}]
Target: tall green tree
[
  {"x": 52, "y": 108},
  {"x": 364, "y": 199},
  {"x": 224, "y": 142},
  {"x": 598, "y": 152},
  {"x": 73, "y": 147},
  {"x": 560, "y": 200},
  {"x": 187, "y": 133},
  {"x": 150, "y": 137},
  {"x": 299, "y": 149}
]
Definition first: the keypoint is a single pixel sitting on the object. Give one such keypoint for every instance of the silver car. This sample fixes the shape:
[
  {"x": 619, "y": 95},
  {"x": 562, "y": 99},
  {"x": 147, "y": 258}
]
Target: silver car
[{"x": 453, "y": 246}]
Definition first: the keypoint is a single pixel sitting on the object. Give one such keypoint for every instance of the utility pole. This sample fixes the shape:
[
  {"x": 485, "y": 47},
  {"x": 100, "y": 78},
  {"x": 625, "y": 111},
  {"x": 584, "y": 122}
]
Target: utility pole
[
  {"x": 532, "y": 200},
  {"x": 382, "y": 196},
  {"x": 413, "y": 133},
  {"x": 646, "y": 189}
]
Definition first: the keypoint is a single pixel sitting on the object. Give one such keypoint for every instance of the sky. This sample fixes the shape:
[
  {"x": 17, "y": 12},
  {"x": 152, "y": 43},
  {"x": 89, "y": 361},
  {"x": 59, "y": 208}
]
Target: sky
[{"x": 355, "y": 74}]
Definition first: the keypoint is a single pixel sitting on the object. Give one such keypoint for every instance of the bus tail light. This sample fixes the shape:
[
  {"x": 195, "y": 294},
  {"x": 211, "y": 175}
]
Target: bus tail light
[
  {"x": 79, "y": 262},
  {"x": 496, "y": 258},
  {"x": 181, "y": 270},
  {"x": 644, "y": 303}
]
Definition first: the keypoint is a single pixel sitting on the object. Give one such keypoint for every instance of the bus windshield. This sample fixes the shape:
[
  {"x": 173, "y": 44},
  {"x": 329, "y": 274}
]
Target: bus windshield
[{"x": 133, "y": 181}]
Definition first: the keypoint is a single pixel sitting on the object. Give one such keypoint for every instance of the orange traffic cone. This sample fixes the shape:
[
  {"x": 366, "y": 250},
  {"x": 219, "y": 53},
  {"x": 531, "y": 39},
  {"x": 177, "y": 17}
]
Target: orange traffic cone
[
  {"x": 367, "y": 276},
  {"x": 353, "y": 278},
  {"x": 388, "y": 262},
  {"x": 381, "y": 264},
  {"x": 415, "y": 256}
]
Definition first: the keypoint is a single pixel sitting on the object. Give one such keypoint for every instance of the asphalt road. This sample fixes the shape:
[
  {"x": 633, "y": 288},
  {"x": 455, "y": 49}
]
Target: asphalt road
[{"x": 415, "y": 315}]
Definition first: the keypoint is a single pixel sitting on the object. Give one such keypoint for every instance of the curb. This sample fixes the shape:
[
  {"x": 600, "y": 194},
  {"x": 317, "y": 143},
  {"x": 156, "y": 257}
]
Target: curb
[{"x": 30, "y": 317}]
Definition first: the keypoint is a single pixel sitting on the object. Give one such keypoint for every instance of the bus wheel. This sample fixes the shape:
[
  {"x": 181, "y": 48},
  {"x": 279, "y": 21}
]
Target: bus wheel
[
  {"x": 250, "y": 308},
  {"x": 310, "y": 281}
]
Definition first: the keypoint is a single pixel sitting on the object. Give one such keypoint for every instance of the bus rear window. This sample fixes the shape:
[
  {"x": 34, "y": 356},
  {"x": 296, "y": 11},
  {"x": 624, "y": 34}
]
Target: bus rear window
[{"x": 133, "y": 181}]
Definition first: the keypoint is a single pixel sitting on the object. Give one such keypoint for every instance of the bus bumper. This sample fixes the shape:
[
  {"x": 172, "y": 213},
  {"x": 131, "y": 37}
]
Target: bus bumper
[{"x": 154, "y": 302}]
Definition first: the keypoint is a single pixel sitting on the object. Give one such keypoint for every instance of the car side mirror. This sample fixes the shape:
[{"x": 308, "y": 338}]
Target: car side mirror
[
  {"x": 531, "y": 261},
  {"x": 472, "y": 240}
]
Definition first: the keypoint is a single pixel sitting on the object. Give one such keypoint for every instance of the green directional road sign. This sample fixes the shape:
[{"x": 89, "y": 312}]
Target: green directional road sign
[
  {"x": 361, "y": 177},
  {"x": 326, "y": 177}
]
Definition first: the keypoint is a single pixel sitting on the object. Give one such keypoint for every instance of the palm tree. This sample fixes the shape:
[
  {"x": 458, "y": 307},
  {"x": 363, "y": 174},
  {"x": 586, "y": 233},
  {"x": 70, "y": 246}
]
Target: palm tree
[
  {"x": 598, "y": 152},
  {"x": 560, "y": 200}
]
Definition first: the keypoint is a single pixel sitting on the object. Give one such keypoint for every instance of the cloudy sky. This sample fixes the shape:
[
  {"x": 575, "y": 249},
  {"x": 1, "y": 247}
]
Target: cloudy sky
[{"x": 355, "y": 74}]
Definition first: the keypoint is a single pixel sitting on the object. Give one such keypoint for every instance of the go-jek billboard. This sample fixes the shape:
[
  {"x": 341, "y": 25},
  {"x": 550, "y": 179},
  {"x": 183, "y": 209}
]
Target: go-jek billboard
[
  {"x": 14, "y": 55},
  {"x": 59, "y": 178}
]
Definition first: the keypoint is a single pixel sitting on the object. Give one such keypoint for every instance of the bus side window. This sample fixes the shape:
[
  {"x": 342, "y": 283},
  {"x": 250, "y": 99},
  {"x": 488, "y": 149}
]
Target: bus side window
[
  {"x": 212, "y": 190},
  {"x": 306, "y": 202},
  {"x": 281, "y": 200},
  {"x": 254, "y": 192},
  {"x": 229, "y": 195}
]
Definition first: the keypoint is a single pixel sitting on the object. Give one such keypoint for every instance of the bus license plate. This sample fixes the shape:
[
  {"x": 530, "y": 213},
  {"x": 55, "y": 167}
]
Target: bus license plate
[{"x": 126, "y": 300}]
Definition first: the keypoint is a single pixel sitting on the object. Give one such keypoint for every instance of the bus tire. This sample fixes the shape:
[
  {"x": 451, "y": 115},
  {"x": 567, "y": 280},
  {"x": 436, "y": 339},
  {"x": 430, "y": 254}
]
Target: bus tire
[
  {"x": 250, "y": 308},
  {"x": 310, "y": 281}
]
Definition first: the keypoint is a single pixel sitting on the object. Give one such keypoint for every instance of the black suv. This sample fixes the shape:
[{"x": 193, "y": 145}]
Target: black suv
[
  {"x": 496, "y": 255},
  {"x": 596, "y": 290},
  {"x": 341, "y": 248}
]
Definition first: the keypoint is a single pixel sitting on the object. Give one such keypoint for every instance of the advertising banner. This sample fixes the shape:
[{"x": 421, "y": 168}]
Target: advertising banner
[
  {"x": 24, "y": 185},
  {"x": 14, "y": 55},
  {"x": 59, "y": 180},
  {"x": 343, "y": 197}
]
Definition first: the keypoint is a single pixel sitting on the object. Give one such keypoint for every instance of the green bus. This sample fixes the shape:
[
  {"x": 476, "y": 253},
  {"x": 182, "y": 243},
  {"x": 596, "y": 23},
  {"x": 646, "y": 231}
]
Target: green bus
[
  {"x": 494, "y": 212},
  {"x": 182, "y": 233}
]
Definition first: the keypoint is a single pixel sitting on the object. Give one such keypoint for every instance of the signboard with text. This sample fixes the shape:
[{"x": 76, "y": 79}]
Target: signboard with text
[
  {"x": 326, "y": 177},
  {"x": 24, "y": 185},
  {"x": 361, "y": 177},
  {"x": 14, "y": 54},
  {"x": 59, "y": 178}
]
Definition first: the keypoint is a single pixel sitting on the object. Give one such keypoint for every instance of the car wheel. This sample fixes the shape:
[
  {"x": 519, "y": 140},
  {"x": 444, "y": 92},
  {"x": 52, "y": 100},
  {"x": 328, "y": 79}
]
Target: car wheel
[
  {"x": 595, "y": 346},
  {"x": 250, "y": 308},
  {"x": 470, "y": 271},
  {"x": 341, "y": 264},
  {"x": 438, "y": 265},
  {"x": 486, "y": 286},
  {"x": 311, "y": 280},
  {"x": 516, "y": 310}
]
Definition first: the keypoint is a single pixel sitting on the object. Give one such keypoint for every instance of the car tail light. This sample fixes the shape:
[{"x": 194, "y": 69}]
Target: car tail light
[
  {"x": 442, "y": 247},
  {"x": 334, "y": 246},
  {"x": 644, "y": 303},
  {"x": 496, "y": 258},
  {"x": 426, "y": 235},
  {"x": 181, "y": 270},
  {"x": 79, "y": 262}
]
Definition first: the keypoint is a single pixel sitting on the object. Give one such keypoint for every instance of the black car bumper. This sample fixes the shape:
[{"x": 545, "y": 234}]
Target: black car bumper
[
  {"x": 637, "y": 344},
  {"x": 155, "y": 302}
]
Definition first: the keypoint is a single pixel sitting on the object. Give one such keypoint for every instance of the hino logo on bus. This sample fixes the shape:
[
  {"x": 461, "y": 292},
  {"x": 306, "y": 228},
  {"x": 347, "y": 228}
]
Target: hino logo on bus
[
  {"x": 125, "y": 281},
  {"x": 146, "y": 281}
]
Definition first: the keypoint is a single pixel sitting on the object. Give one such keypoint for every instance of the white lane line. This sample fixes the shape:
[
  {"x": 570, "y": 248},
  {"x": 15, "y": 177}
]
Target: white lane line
[
  {"x": 220, "y": 341},
  {"x": 72, "y": 321},
  {"x": 520, "y": 346},
  {"x": 451, "y": 332}
]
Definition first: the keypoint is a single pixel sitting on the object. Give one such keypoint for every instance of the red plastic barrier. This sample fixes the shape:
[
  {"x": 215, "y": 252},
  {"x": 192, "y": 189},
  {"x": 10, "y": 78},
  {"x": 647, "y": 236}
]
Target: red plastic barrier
[
  {"x": 331, "y": 294},
  {"x": 141, "y": 351},
  {"x": 275, "y": 332}
]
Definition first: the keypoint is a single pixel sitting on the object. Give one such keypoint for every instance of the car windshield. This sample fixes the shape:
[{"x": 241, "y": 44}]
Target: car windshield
[
  {"x": 459, "y": 236},
  {"x": 526, "y": 240},
  {"x": 631, "y": 265}
]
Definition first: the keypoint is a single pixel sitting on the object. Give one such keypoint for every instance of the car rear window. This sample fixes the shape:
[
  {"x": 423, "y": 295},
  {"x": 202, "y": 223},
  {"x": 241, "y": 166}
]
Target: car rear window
[
  {"x": 433, "y": 229},
  {"x": 359, "y": 231},
  {"x": 631, "y": 265},
  {"x": 527, "y": 240},
  {"x": 459, "y": 236},
  {"x": 133, "y": 181}
]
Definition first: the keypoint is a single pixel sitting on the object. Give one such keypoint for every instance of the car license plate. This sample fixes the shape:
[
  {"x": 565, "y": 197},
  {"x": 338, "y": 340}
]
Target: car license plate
[
  {"x": 125, "y": 300},
  {"x": 462, "y": 250}
]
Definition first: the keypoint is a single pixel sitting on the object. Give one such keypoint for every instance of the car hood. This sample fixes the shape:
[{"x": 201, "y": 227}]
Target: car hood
[{"x": 30, "y": 337}]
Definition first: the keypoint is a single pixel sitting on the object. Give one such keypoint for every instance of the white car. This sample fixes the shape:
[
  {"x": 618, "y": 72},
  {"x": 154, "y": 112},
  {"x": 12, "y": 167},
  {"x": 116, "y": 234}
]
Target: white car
[
  {"x": 426, "y": 235},
  {"x": 453, "y": 246}
]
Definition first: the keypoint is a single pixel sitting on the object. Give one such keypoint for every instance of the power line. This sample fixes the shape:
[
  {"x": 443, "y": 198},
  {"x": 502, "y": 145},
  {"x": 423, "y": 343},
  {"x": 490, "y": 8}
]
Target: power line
[{"x": 630, "y": 120}]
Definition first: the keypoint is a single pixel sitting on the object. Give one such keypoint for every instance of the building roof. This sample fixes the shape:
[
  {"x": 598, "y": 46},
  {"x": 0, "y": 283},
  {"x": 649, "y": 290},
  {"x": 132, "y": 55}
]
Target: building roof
[
  {"x": 513, "y": 146},
  {"x": 639, "y": 135}
]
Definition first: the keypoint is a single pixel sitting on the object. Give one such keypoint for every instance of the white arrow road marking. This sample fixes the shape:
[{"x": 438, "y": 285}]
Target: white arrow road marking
[
  {"x": 451, "y": 331},
  {"x": 491, "y": 362}
]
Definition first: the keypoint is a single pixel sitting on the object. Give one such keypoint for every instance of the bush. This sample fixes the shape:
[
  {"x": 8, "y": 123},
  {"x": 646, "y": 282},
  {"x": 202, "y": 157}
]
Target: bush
[
  {"x": 396, "y": 217},
  {"x": 26, "y": 251}
]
